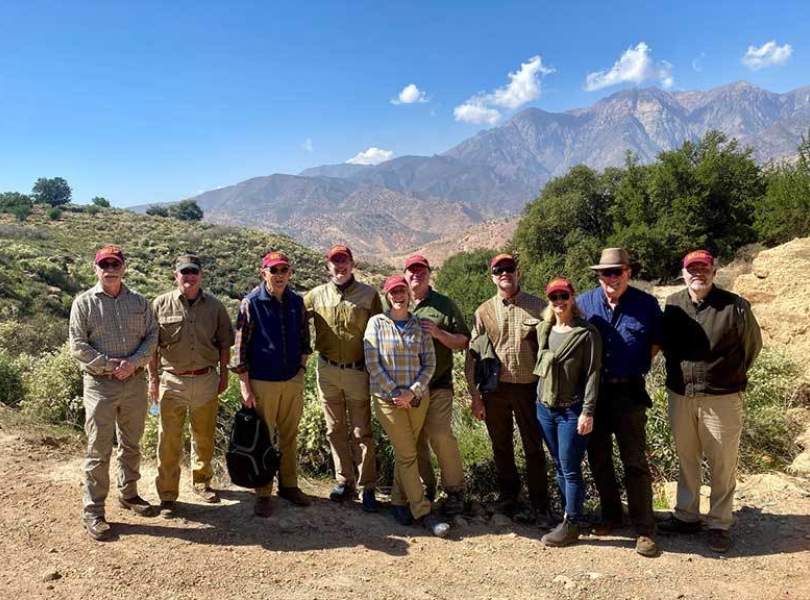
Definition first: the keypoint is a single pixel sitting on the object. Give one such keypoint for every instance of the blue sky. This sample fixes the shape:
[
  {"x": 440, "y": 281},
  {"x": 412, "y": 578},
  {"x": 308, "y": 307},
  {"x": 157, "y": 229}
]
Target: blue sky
[{"x": 145, "y": 102}]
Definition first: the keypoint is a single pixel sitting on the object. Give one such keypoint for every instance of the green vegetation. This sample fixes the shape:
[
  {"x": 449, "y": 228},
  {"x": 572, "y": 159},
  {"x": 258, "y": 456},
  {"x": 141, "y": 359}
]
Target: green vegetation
[
  {"x": 54, "y": 191},
  {"x": 187, "y": 210},
  {"x": 464, "y": 278}
]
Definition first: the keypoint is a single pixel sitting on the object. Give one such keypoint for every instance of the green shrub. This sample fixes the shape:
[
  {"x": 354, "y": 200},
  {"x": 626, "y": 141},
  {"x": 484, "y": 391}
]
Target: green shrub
[
  {"x": 53, "y": 389},
  {"x": 11, "y": 382},
  {"x": 32, "y": 335},
  {"x": 55, "y": 213}
]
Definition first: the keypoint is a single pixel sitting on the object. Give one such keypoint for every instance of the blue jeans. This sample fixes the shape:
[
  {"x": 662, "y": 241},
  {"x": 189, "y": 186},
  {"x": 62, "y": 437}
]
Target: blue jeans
[{"x": 567, "y": 447}]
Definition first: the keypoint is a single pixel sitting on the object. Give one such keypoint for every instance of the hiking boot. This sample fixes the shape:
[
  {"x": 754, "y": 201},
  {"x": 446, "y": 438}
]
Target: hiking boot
[
  {"x": 294, "y": 495},
  {"x": 430, "y": 493},
  {"x": 564, "y": 534},
  {"x": 205, "y": 493},
  {"x": 263, "y": 508},
  {"x": 168, "y": 508},
  {"x": 673, "y": 525},
  {"x": 646, "y": 546},
  {"x": 370, "y": 504},
  {"x": 402, "y": 514},
  {"x": 437, "y": 526},
  {"x": 454, "y": 504},
  {"x": 505, "y": 505},
  {"x": 97, "y": 527},
  {"x": 546, "y": 519},
  {"x": 139, "y": 506},
  {"x": 719, "y": 540},
  {"x": 606, "y": 527},
  {"x": 341, "y": 492}
]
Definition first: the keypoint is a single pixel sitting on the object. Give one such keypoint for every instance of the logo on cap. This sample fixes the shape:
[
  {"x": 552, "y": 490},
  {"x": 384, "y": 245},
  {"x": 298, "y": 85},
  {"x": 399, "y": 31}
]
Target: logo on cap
[
  {"x": 273, "y": 259},
  {"x": 106, "y": 252},
  {"x": 698, "y": 256}
]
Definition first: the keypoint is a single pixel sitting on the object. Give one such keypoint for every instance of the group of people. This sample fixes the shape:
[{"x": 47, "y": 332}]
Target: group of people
[{"x": 568, "y": 370}]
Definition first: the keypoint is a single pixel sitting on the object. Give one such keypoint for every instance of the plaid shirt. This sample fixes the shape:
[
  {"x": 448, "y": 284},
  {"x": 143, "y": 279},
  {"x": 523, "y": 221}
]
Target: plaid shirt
[
  {"x": 398, "y": 359},
  {"x": 102, "y": 327}
]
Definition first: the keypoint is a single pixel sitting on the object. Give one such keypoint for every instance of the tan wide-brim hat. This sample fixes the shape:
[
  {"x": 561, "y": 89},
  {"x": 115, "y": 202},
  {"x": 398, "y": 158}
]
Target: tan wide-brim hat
[{"x": 613, "y": 258}]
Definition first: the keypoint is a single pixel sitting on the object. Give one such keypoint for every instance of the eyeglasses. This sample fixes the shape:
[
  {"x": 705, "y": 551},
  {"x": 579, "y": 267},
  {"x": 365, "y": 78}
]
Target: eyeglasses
[
  {"x": 279, "y": 270},
  {"x": 109, "y": 264},
  {"x": 503, "y": 269},
  {"x": 189, "y": 271},
  {"x": 560, "y": 296},
  {"x": 611, "y": 272}
]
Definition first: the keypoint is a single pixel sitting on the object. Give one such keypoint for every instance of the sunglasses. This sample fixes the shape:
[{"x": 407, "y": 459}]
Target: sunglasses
[
  {"x": 504, "y": 269},
  {"x": 560, "y": 296},
  {"x": 279, "y": 270},
  {"x": 611, "y": 272},
  {"x": 109, "y": 264},
  {"x": 189, "y": 271}
]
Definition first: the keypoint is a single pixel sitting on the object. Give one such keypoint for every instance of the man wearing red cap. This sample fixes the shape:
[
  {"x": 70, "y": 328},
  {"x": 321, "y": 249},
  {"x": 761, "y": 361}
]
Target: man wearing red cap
[
  {"x": 340, "y": 310},
  {"x": 112, "y": 334},
  {"x": 711, "y": 338},
  {"x": 441, "y": 318},
  {"x": 270, "y": 357},
  {"x": 510, "y": 319}
]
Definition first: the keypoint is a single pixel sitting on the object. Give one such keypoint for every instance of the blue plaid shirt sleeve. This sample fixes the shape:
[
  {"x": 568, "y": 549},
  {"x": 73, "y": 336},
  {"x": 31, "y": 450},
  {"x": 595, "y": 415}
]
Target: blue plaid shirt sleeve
[{"x": 378, "y": 376}]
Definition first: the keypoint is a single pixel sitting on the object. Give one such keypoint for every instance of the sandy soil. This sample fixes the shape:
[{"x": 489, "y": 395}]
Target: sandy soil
[{"x": 328, "y": 551}]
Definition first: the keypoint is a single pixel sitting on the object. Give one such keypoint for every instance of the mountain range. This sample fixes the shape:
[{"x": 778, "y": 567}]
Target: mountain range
[{"x": 391, "y": 208}]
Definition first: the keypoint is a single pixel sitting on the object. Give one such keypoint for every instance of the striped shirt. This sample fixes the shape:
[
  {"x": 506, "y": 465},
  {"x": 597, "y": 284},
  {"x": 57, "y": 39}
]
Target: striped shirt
[
  {"x": 102, "y": 327},
  {"x": 397, "y": 359}
]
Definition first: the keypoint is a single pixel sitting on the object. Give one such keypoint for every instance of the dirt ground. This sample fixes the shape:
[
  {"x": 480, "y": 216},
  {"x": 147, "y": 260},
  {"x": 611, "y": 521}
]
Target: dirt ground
[{"x": 329, "y": 551}]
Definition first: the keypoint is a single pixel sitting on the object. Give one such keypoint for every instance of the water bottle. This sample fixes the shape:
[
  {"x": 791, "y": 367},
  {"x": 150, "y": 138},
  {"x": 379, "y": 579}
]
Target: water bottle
[{"x": 154, "y": 409}]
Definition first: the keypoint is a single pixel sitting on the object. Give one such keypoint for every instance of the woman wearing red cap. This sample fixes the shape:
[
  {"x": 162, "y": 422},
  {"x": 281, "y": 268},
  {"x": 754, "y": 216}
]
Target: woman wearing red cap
[
  {"x": 400, "y": 360},
  {"x": 568, "y": 365}
]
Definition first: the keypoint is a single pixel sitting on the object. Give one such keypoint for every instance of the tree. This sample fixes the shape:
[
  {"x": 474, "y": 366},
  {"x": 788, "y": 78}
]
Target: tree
[
  {"x": 157, "y": 210},
  {"x": 186, "y": 210},
  {"x": 464, "y": 277},
  {"x": 16, "y": 204},
  {"x": 101, "y": 202},
  {"x": 54, "y": 191}
]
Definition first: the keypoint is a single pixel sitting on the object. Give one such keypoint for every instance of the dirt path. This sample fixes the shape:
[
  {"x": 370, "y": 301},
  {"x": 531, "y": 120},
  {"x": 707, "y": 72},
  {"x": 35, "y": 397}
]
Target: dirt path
[{"x": 327, "y": 551}]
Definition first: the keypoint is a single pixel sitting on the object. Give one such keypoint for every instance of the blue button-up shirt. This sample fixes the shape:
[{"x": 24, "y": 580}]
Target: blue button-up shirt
[{"x": 628, "y": 332}]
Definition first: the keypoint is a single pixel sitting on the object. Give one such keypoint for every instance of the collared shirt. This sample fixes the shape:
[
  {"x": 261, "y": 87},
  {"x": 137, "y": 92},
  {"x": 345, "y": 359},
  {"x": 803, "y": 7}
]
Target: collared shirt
[
  {"x": 340, "y": 315},
  {"x": 710, "y": 345},
  {"x": 104, "y": 327},
  {"x": 511, "y": 324},
  {"x": 192, "y": 334},
  {"x": 443, "y": 311},
  {"x": 272, "y": 335},
  {"x": 628, "y": 332},
  {"x": 397, "y": 359}
]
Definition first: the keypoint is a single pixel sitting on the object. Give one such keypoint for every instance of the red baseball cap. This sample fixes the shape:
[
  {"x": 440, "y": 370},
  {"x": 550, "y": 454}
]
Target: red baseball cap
[
  {"x": 559, "y": 284},
  {"x": 107, "y": 252},
  {"x": 339, "y": 249},
  {"x": 273, "y": 259},
  {"x": 416, "y": 259},
  {"x": 698, "y": 256},
  {"x": 502, "y": 258},
  {"x": 393, "y": 282}
]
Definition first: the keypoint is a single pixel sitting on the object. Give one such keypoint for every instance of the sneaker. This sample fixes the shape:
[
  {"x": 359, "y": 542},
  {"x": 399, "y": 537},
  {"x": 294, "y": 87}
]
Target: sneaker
[
  {"x": 646, "y": 546},
  {"x": 370, "y": 504},
  {"x": 454, "y": 504},
  {"x": 436, "y": 525},
  {"x": 263, "y": 508},
  {"x": 719, "y": 540},
  {"x": 139, "y": 506},
  {"x": 97, "y": 527},
  {"x": 605, "y": 527},
  {"x": 205, "y": 493},
  {"x": 673, "y": 525},
  {"x": 341, "y": 492},
  {"x": 564, "y": 534},
  {"x": 294, "y": 495},
  {"x": 402, "y": 514}
]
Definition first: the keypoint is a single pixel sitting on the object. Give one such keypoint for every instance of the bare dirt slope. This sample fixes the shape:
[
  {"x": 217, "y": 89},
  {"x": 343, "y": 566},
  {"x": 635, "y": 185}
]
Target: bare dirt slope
[{"x": 328, "y": 551}]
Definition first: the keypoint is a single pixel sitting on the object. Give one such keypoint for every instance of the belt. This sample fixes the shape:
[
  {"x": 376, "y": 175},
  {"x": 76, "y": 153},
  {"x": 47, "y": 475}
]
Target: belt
[
  {"x": 137, "y": 371},
  {"x": 359, "y": 365},
  {"x": 203, "y": 371}
]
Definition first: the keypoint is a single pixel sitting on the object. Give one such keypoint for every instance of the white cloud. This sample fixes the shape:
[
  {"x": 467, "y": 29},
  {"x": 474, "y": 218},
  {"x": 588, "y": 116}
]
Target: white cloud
[
  {"x": 767, "y": 55},
  {"x": 371, "y": 156},
  {"x": 307, "y": 146},
  {"x": 411, "y": 94},
  {"x": 635, "y": 66},
  {"x": 697, "y": 63},
  {"x": 523, "y": 87}
]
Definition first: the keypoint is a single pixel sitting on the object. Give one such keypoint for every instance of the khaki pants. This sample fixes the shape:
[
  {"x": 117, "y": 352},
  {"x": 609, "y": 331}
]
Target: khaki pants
[
  {"x": 281, "y": 404},
  {"x": 197, "y": 397},
  {"x": 113, "y": 409},
  {"x": 343, "y": 391},
  {"x": 710, "y": 426},
  {"x": 437, "y": 434},
  {"x": 403, "y": 426}
]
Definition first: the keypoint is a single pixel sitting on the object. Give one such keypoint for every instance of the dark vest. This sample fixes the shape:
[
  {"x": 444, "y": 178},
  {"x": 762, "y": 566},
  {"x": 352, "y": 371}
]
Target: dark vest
[{"x": 274, "y": 353}]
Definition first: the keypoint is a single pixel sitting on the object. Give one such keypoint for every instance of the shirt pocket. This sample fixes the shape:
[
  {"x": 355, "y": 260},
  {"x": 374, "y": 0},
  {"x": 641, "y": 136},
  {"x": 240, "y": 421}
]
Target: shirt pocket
[
  {"x": 528, "y": 328},
  {"x": 170, "y": 327}
]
